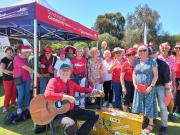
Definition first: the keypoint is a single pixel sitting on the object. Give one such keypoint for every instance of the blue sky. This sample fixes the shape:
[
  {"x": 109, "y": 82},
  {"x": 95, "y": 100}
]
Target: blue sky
[{"x": 86, "y": 11}]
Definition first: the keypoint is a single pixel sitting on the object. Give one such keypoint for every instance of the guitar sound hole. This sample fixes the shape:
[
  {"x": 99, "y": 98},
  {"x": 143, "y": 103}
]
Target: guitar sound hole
[{"x": 58, "y": 104}]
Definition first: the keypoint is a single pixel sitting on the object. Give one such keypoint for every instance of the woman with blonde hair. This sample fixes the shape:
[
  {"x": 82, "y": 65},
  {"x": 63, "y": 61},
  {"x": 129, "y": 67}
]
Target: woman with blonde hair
[{"x": 145, "y": 75}]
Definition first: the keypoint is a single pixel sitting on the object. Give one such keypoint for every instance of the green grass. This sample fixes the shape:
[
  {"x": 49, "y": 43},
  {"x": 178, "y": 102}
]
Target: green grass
[{"x": 26, "y": 128}]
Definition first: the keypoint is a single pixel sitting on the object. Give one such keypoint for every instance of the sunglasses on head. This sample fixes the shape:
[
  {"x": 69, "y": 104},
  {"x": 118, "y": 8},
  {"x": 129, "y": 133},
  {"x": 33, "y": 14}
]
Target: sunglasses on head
[
  {"x": 132, "y": 54},
  {"x": 143, "y": 50}
]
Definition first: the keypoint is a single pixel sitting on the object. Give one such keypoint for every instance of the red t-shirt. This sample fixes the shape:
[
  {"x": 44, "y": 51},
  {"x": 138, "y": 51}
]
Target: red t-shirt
[
  {"x": 116, "y": 72},
  {"x": 128, "y": 70},
  {"x": 177, "y": 68},
  {"x": 56, "y": 88},
  {"x": 79, "y": 66}
]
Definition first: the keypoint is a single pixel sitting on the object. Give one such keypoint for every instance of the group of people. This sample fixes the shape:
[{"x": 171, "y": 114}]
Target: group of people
[{"x": 134, "y": 77}]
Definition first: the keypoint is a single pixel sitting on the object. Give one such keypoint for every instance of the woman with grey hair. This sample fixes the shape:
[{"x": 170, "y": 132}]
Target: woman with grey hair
[
  {"x": 94, "y": 69},
  {"x": 107, "y": 78}
]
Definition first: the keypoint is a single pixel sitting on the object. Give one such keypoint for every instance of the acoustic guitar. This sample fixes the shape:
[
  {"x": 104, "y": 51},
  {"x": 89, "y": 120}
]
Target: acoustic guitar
[{"x": 43, "y": 111}]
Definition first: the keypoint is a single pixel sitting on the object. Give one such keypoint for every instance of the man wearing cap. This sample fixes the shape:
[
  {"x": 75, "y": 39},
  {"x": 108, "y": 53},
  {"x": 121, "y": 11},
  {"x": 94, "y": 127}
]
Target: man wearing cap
[
  {"x": 62, "y": 60},
  {"x": 160, "y": 86},
  {"x": 62, "y": 88},
  {"x": 21, "y": 73},
  {"x": 46, "y": 65}
]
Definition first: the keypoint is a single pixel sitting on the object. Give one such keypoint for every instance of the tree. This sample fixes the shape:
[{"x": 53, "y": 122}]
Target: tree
[
  {"x": 111, "y": 41},
  {"x": 112, "y": 23},
  {"x": 135, "y": 25},
  {"x": 81, "y": 44}
]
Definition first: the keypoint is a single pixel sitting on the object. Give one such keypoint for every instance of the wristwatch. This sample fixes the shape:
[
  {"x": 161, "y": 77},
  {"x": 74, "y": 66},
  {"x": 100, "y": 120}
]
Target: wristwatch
[{"x": 152, "y": 86}]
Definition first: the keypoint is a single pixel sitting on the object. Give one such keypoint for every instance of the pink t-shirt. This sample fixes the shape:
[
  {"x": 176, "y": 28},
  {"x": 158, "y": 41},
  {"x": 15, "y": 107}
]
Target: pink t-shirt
[
  {"x": 170, "y": 60},
  {"x": 18, "y": 71}
]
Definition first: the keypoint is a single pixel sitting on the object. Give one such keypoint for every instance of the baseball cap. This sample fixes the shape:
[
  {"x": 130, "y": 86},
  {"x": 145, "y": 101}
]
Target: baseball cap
[{"x": 63, "y": 66}]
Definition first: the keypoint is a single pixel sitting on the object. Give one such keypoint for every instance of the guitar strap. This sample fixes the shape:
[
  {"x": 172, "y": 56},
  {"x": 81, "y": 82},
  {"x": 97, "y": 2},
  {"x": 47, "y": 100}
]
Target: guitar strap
[{"x": 67, "y": 85}]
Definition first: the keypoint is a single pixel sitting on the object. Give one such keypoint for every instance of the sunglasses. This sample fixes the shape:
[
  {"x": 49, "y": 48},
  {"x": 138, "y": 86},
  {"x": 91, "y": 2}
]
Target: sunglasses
[
  {"x": 177, "y": 47},
  {"x": 117, "y": 52},
  {"x": 143, "y": 50},
  {"x": 129, "y": 55}
]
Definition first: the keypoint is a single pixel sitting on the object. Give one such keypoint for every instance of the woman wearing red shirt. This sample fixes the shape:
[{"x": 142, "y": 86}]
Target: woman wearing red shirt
[
  {"x": 177, "y": 71},
  {"x": 126, "y": 78},
  {"x": 79, "y": 72},
  {"x": 115, "y": 68}
]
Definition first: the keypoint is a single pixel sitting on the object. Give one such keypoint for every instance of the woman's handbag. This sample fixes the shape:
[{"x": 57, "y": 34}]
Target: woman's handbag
[
  {"x": 18, "y": 80},
  {"x": 141, "y": 88}
]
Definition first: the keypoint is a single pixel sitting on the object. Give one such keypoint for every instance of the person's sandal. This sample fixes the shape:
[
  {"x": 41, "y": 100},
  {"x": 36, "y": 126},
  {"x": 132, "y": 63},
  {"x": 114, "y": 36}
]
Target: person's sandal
[{"x": 149, "y": 129}]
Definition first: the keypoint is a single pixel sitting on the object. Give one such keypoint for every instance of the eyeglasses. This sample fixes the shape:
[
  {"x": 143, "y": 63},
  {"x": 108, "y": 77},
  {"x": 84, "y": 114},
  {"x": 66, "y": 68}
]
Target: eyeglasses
[
  {"x": 143, "y": 50},
  {"x": 130, "y": 54}
]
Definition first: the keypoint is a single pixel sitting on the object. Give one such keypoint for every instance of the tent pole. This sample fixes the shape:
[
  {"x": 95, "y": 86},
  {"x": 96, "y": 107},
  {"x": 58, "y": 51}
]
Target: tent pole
[
  {"x": 39, "y": 48},
  {"x": 97, "y": 44},
  {"x": 35, "y": 57}
]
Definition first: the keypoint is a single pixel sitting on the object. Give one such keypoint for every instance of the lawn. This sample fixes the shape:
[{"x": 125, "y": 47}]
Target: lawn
[{"x": 26, "y": 128}]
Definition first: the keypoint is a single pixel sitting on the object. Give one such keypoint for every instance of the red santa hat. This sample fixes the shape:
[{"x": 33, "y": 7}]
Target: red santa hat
[{"x": 25, "y": 49}]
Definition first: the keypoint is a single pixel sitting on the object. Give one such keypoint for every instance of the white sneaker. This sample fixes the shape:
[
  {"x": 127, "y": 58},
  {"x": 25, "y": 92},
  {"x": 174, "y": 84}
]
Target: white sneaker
[
  {"x": 19, "y": 111},
  {"x": 105, "y": 104},
  {"x": 4, "y": 110},
  {"x": 110, "y": 105}
]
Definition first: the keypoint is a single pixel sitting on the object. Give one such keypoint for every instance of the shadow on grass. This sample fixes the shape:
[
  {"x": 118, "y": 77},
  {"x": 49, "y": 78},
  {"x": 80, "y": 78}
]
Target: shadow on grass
[
  {"x": 1, "y": 90},
  {"x": 173, "y": 128},
  {"x": 21, "y": 128}
]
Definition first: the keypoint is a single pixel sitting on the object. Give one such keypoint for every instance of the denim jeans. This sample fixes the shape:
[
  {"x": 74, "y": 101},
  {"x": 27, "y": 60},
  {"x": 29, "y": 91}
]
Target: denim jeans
[
  {"x": 118, "y": 94},
  {"x": 23, "y": 94},
  {"x": 163, "y": 108},
  {"x": 68, "y": 121},
  {"x": 43, "y": 83}
]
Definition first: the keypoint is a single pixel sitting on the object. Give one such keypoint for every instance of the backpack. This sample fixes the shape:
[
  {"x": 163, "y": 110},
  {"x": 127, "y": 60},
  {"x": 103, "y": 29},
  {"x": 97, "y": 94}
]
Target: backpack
[
  {"x": 13, "y": 117},
  {"x": 10, "y": 118}
]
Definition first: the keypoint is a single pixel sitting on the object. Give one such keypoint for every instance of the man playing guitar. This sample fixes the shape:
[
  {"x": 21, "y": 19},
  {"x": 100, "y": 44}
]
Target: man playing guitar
[{"x": 62, "y": 88}]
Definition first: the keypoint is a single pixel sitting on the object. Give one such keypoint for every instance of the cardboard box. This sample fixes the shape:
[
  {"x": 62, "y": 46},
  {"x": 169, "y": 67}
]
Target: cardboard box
[{"x": 115, "y": 122}]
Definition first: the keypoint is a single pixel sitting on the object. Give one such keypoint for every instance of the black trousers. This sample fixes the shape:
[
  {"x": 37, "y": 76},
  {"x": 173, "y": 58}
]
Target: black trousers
[
  {"x": 69, "y": 119},
  {"x": 107, "y": 85}
]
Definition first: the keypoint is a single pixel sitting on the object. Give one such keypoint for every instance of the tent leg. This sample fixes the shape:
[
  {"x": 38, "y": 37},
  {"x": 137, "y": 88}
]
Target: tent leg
[
  {"x": 39, "y": 48},
  {"x": 35, "y": 57},
  {"x": 97, "y": 44}
]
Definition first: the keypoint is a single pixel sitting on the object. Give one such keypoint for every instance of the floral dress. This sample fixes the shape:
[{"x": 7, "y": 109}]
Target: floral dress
[
  {"x": 145, "y": 103},
  {"x": 94, "y": 70}
]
